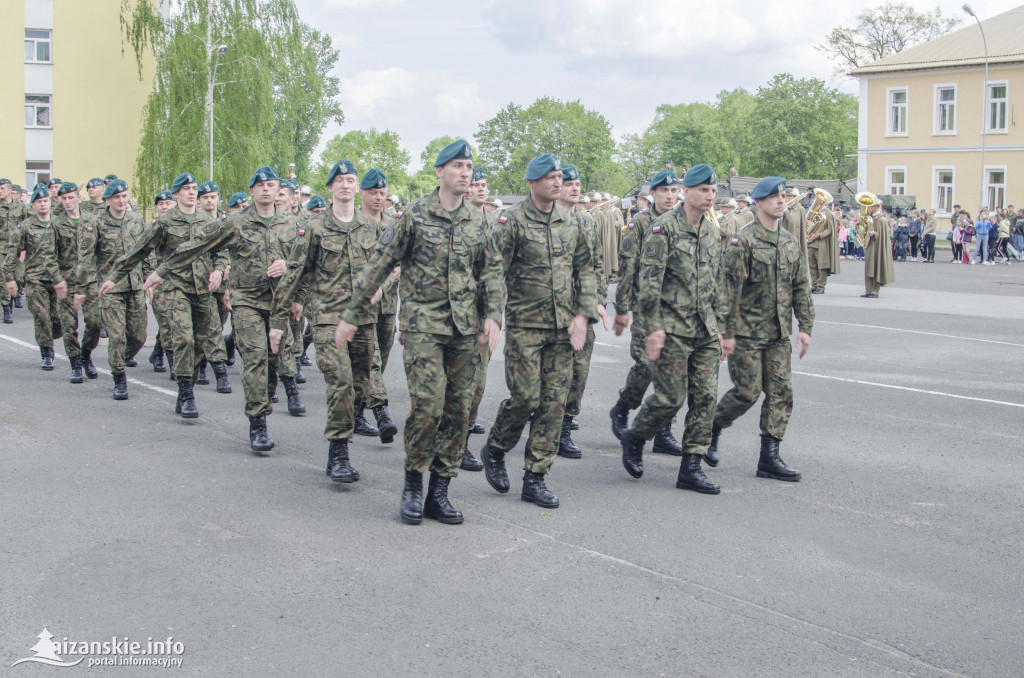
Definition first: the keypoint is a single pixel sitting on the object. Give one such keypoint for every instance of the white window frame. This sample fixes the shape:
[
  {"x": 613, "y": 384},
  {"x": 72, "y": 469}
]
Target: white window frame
[
  {"x": 890, "y": 185},
  {"x": 889, "y": 131},
  {"x": 988, "y": 107},
  {"x": 936, "y": 130},
  {"x": 35, "y": 45},
  {"x": 991, "y": 203},
  {"x": 36, "y": 105},
  {"x": 32, "y": 175},
  {"x": 939, "y": 212}
]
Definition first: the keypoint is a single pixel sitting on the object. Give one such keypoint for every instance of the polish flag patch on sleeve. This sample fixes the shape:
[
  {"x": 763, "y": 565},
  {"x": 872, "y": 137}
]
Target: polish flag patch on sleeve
[
  {"x": 302, "y": 231},
  {"x": 735, "y": 240},
  {"x": 656, "y": 228},
  {"x": 502, "y": 220},
  {"x": 630, "y": 225}
]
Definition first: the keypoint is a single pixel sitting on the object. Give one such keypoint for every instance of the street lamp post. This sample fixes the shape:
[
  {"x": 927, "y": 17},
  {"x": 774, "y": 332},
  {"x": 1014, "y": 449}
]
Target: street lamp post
[
  {"x": 984, "y": 108},
  {"x": 213, "y": 81}
]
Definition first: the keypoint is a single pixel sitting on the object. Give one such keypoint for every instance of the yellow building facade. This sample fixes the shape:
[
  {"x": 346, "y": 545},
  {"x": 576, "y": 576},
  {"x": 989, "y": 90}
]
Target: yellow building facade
[
  {"x": 71, "y": 105},
  {"x": 924, "y": 113}
]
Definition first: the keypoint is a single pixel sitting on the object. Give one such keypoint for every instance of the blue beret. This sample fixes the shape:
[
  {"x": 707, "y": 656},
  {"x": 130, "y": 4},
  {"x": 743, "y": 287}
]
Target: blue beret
[
  {"x": 237, "y": 198},
  {"x": 4, "y": 182},
  {"x": 768, "y": 186},
  {"x": 456, "y": 150},
  {"x": 114, "y": 187},
  {"x": 163, "y": 195},
  {"x": 264, "y": 173},
  {"x": 665, "y": 178},
  {"x": 55, "y": 182},
  {"x": 341, "y": 167},
  {"x": 541, "y": 165},
  {"x": 40, "y": 191},
  {"x": 315, "y": 202},
  {"x": 700, "y": 174},
  {"x": 183, "y": 179},
  {"x": 95, "y": 181},
  {"x": 110, "y": 177},
  {"x": 478, "y": 174},
  {"x": 374, "y": 179},
  {"x": 67, "y": 187},
  {"x": 208, "y": 187},
  {"x": 569, "y": 173}
]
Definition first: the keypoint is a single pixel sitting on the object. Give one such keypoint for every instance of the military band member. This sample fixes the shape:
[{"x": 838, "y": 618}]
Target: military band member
[
  {"x": 795, "y": 220},
  {"x": 823, "y": 253},
  {"x": 878, "y": 269},
  {"x": 766, "y": 285}
]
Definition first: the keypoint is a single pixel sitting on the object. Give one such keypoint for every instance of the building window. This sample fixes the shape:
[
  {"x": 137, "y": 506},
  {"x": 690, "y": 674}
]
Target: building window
[
  {"x": 37, "y": 172},
  {"x": 897, "y": 112},
  {"x": 896, "y": 180},
  {"x": 945, "y": 109},
  {"x": 37, "y": 46},
  {"x": 995, "y": 186},
  {"x": 944, "y": 186},
  {"x": 998, "y": 105},
  {"x": 37, "y": 110}
]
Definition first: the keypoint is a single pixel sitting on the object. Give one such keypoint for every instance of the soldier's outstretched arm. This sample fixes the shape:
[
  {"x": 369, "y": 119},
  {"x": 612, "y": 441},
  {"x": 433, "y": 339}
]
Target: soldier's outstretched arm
[
  {"x": 300, "y": 268},
  {"x": 394, "y": 243},
  {"x": 149, "y": 241},
  {"x": 215, "y": 239}
]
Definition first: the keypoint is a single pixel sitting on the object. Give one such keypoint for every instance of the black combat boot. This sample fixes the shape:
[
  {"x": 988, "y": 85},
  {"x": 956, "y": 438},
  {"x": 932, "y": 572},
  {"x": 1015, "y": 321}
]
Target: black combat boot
[
  {"x": 300, "y": 378},
  {"x": 8, "y": 314},
  {"x": 469, "y": 462},
  {"x": 259, "y": 440},
  {"x": 494, "y": 467},
  {"x": 295, "y": 406},
  {"x": 306, "y": 341},
  {"x": 76, "y": 370},
  {"x": 620, "y": 418},
  {"x": 130, "y": 361},
  {"x": 90, "y": 369},
  {"x": 169, "y": 354},
  {"x": 666, "y": 443},
  {"x": 574, "y": 425},
  {"x": 220, "y": 371},
  {"x": 711, "y": 458},
  {"x": 273, "y": 397},
  {"x": 120, "y": 386},
  {"x": 412, "y": 498},
  {"x": 341, "y": 470},
  {"x": 536, "y": 491},
  {"x": 203, "y": 380},
  {"x": 47, "y": 356},
  {"x": 691, "y": 477},
  {"x": 229, "y": 346},
  {"x": 477, "y": 428},
  {"x": 771, "y": 465},
  {"x": 437, "y": 505},
  {"x": 361, "y": 426},
  {"x": 188, "y": 400},
  {"x": 19, "y": 299},
  {"x": 386, "y": 427},
  {"x": 156, "y": 358},
  {"x": 632, "y": 454},
  {"x": 566, "y": 447}
]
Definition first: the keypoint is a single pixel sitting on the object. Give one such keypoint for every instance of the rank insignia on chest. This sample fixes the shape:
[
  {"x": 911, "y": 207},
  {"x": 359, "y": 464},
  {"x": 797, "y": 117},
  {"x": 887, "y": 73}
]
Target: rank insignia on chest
[
  {"x": 656, "y": 229},
  {"x": 502, "y": 220}
]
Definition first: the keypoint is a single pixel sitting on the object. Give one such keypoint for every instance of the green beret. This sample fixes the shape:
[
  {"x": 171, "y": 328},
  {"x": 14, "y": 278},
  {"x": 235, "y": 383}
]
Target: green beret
[
  {"x": 208, "y": 187},
  {"x": 700, "y": 174},
  {"x": 315, "y": 202},
  {"x": 569, "y": 173},
  {"x": 163, "y": 195},
  {"x": 67, "y": 187},
  {"x": 114, "y": 187},
  {"x": 183, "y": 179},
  {"x": 4, "y": 182},
  {"x": 284, "y": 183},
  {"x": 109, "y": 178},
  {"x": 456, "y": 150},
  {"x": 18, "y": 188},
  {"x": 55, "y": 182},
  {"x": 767, "y": 187},
  {"x": 40, "y": 191},
  {"x": 237, "y": 198},
  {"x": 264, "y": 173},
  {"x": 341, "y": 167},
  {"x": 540, "y": 166},
  {"x": 478, "y": 175},
  {"x": 95, "y": 181},
  {"x": 374, "y": 179},
  {"x": 664, "y": 178}
]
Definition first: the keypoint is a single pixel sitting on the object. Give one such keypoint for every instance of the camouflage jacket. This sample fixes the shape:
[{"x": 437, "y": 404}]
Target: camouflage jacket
[
  {"x": 547, "y": 258},
  {"x": 103, "y": 243},
  {"x": 442, "y": 261},
  {"x": 629, "y": 253},
  {"x": 66, "y": 241},
  {"x": 88, "y": 208},
  {"x": 37, "y": 240},
  {"x": 680, "y": 286},
  {"x": 389, "y": 299},
  {"x": 12, "y": 214},
  {"x": 767, "y": 283},
  {"x": 589, "y": 228}
]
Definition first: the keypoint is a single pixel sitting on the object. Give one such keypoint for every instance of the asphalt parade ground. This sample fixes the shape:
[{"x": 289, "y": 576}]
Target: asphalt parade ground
[{"x": 899, "y": 554}]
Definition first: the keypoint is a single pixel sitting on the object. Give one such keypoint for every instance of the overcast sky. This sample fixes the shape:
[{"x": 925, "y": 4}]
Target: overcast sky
[{"x": 429, "y": 68}]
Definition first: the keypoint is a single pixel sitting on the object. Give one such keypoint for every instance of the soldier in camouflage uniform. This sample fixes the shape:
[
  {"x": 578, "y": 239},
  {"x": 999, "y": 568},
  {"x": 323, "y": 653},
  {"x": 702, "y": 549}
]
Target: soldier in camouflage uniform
[
  {"x": 12, "y": 212},
  {"x": 291, "y": 345},
  {"x": 44, "y": 284},
  {"x": 94, "y": 205},
  {"x": 208, "y": 194},
  {"x": 664, "y": 196},
  {"x": 682, "y": 304},
  {"x": 552, "y": 293},
  {"x": 102, "y": 243},
  {"x": 163, "y": 202},
  {"x": 444, "y": 249},
  {"x": 767, "y": 284},
  {"x": 56, "y": 209},
  {"x": 568, "y": 198},
  {"x": 66, "y": 228}
]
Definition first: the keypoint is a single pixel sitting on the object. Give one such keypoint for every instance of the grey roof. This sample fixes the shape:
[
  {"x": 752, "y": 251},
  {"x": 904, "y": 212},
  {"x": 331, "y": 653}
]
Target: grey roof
[{"x": 962, "y": 47}]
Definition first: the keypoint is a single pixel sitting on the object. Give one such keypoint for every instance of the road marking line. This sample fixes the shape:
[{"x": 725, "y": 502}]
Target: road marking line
[
  {"x": 930, "y": 334},
  {"x": 908, "y": 388}
]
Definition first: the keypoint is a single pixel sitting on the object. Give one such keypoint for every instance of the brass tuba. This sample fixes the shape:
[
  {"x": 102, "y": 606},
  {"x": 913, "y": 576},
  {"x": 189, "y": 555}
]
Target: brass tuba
[
  {"x": 865, "y": 199},
  {"x": 816, "y": 217}
]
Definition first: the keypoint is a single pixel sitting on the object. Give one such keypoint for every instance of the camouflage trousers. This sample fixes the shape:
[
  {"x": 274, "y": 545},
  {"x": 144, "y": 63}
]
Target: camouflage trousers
[
  {"x": 286, "y": 355},
  {"x": 69, "y": 323},
  {"x": 580, "y": 372},
  {"x": 538, "y": 371},
  {"x": 368, "y": 386},
  {"x": 479, "y": 385},
  {"x": 639, "y": 376},
  {"x": 295, "y": 334},
  {"x": 124, "y": 318},
  {"x": 686, "y": 371},
  {"x": 195, "y": 331},
  {"x": 759, "y": 365},
  {"x": 43, "y": 305},
  {"x": 386, "y": 323},
  {"x": 343, "y": 369},
  {"x": 19, "y": 276},
  {"x": 159, "y": 305},
  {"x": 260, "y": 367},
  {"x": 440, "y": 370}
]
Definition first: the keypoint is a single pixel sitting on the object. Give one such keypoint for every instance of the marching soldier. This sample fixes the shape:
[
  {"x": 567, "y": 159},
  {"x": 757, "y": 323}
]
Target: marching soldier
[
  {"x": 12, "y": 212},
  {"x": 878, "y": 269},
  {"x": 823, "y": 253},
  {"x": 237, "y": 202},
  {"x": 56, "y": 209},
  {"x": 163, "y": 202},
  {"x": 94, "y": 205},
  {"x": 766, "y": 286}
]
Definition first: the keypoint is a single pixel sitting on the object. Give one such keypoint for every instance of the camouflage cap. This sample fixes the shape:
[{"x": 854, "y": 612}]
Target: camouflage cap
[
  {"x": 341, "y": 167},
  {"x": 665, "y": 177},
  {"x": 67, "y": 187},
  {"x": 540, "y": 166},
  {"x": 40, "y": 191},
  {"x": 183, "y": 179},
  {"x": 208, "y": 187},
  {"x": 114, "y": 187},
  {"x": 237, "y": 198},
  {"x": 700, "y": 174},
  {"x": 265, "y": 173},
  {"x": 569, "y": 173},
  {"x": 373, "y": 179},
  {"x": 768, "y": 186},
  {"x": 456, "y": 150},
  {"x": 163, "y": 195}
]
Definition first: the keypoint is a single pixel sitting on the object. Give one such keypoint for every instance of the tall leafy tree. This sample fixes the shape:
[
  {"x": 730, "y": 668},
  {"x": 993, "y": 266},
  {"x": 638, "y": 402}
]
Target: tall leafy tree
[{"x": 366, "y": 148}]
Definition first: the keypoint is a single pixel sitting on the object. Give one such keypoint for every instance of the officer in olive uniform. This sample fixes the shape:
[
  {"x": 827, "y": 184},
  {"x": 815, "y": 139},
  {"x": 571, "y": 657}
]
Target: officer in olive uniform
[
  {"x": 823, "y": 253},
  {"x": 878, "y": 268},
  {"x": 12, "y": 212},
  {"x": 680, "y": 298},
  {"x": 767, "y": 284},
  {"x": 444, "y": 249},
  {"x": 552, "y": 293},
  {"x": 795, "y": 221},
  {"x": 44, "y": 284}
]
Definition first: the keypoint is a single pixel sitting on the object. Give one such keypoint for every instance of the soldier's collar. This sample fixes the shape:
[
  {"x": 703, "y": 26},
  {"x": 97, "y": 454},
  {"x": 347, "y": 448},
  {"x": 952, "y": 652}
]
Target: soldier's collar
[
  {"x": 461, "y": 214},
  {"x": 558, "y": 213}
]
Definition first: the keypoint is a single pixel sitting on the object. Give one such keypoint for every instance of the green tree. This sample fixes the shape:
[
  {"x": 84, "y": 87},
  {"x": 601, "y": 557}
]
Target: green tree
[
  {"x": 367, "y": 149},
  {"x": 640, "y": 157}
]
